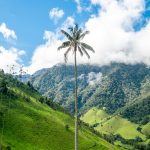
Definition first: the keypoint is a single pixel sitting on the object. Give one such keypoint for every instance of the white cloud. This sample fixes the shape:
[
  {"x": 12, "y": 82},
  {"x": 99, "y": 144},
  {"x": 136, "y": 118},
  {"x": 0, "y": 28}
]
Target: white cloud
[
  {"x": 7, "y": 33},
  {"x": 46, "y": 55},
  {"x": 112, "y": 35},
  {"x": 9, "y": 57},
  {"x": 94, "y": 78},
  {"x": 56, "y": 14},
  {"x": 67, "y": 23},
  {"x": 81, "y": 8}
]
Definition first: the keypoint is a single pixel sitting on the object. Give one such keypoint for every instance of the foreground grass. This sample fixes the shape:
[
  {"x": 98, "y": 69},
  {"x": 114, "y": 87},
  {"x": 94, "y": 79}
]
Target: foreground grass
[{"x": 30, "y": 125}]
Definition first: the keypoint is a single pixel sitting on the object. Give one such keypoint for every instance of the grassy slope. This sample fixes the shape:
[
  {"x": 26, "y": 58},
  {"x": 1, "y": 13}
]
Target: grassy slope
[
  {"x": 118, "y": 125},
  {"x": 35, "y": 126},
  {"x": 94, "y": 115},
  {"x": 114, "y": 125},
  {"x": 146, "y": 129}
]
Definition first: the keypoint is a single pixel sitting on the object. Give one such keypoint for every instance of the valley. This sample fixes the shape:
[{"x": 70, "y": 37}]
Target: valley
[
  {"x": 26, "y": 123},
  {"x": 113, "y": 99}
]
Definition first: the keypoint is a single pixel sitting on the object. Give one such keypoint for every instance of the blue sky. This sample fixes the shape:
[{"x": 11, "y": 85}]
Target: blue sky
[{"x": 30, "y": 19}]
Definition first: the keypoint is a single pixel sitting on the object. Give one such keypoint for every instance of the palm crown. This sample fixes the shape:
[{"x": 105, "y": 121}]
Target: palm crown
[{"x": 73, "y": 43}]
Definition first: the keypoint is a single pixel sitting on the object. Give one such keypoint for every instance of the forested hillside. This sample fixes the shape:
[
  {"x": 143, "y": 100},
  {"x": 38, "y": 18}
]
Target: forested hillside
[
  {"x": 113, "y": 99},
  {"x": 31, "y": 122},
  {"x": 110, "y": 87}
]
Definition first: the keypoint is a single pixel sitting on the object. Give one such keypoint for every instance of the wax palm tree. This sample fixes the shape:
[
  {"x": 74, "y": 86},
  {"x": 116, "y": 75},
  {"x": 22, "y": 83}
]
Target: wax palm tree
[{"x": 73, "y": 43}]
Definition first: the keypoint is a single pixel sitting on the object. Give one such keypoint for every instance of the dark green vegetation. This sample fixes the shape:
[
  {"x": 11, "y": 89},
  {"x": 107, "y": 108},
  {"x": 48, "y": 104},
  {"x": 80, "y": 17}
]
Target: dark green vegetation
[
  {"x": 120, "y": 90},
  {"x": 27, "y": 123},
  {"x": 110, "y": 87}
]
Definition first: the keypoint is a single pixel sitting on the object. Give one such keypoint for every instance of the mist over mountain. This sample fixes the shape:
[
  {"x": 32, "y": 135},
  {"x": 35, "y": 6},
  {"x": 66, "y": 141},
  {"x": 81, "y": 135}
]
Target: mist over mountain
[{"x": 112, "y": 87}]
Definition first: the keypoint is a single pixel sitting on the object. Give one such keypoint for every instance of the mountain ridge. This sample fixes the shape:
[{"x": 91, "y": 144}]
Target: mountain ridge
[{"x": 112, "y": 87}]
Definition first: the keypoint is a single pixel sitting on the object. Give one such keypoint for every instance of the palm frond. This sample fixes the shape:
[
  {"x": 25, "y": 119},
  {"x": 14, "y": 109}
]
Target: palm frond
[
  {"x": 76, "y": 28},
  {"x": 60, "y": 47},
  {"x": 70, "y": 29},
  {"x": 66, "y": 54},
  {"x": 84, "y": 34},
  {"x": 76, "y": 31},
  {"x": 67, "y": 35},
  {"x": 64, "y": 45},
  {"x": 74, "y": 36},
  {"x": 78, "y": 34},
  {"x": 84, "y": 50},
  {"x": 86, "y": 46},
  {"x": 80, "y": 50}
]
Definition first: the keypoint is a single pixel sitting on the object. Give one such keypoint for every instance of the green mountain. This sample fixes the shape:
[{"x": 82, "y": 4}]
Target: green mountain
[
  {"x": 111, "y": 87},
  {"x": 113, "y": 99},
  {"x": 28, "y": 123}
]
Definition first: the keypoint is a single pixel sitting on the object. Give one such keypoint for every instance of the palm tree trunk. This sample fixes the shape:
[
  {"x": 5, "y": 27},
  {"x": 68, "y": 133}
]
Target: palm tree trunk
[{"x": 76, "y": 103}]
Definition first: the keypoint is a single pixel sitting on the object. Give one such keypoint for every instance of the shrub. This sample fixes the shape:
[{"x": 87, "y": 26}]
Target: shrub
[
  {"x": 3, "y": 86},
  {"x": 139, "y": 129},
  {"x": 67, "y": 127},
  {"x": 8, "y": 148},
  {"x": 42, "y": 100},
  {"x": 27, "y": 99}
]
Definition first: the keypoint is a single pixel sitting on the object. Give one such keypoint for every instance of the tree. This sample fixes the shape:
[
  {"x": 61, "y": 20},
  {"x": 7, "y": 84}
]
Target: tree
[
  {"x": 3, "y": 86},
  {"x": 74, "y": 43}
]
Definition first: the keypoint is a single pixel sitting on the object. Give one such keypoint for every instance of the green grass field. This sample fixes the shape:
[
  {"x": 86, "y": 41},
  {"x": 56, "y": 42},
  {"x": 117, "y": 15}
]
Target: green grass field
[
  {"x": 94, "y": 116},
  {"x": 146, "y": 129},
  {"x": 118, "y": 125},
  {"x": 30, "y": 125},
  {"x": 108, "y": 124}
]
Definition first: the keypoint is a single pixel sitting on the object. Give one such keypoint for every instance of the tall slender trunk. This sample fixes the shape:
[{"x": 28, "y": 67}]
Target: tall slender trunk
[{"x": 76, "y": 102}]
